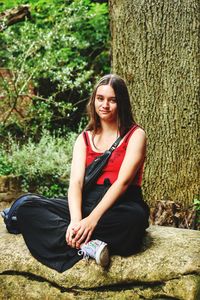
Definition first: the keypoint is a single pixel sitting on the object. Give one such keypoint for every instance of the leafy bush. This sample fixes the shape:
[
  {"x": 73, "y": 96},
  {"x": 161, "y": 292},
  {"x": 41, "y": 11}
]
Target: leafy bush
[
  {"x": 5, "y": 166},
  {"x": 44, "y": 166},
  {"x": 197, "y": 208},
  {"x": 58, "y": 53}
]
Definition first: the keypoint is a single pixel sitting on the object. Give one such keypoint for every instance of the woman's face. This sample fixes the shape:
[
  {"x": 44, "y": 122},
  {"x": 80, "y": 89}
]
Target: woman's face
[{"x": 105, "y": 103}]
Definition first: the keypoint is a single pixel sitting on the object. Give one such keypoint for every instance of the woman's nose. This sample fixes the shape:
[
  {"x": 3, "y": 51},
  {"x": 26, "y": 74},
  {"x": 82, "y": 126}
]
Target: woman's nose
[{"x": 105, "y": 103}]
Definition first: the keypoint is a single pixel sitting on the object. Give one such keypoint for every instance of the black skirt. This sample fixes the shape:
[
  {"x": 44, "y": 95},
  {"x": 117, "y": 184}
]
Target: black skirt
[{"x": 43, "y": 224}]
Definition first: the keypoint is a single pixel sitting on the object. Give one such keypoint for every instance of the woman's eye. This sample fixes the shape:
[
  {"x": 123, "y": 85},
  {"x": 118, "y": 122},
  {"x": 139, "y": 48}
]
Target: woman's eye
[{"x": 99, "y": 98}]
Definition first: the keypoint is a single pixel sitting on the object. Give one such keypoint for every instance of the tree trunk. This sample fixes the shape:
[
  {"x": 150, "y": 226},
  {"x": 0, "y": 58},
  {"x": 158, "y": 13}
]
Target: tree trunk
[{"x": 155, "y": 49}]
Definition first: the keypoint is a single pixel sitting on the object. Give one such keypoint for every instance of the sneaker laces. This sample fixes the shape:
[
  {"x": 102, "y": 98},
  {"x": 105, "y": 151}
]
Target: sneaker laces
[{"x": 84, "y": 254}]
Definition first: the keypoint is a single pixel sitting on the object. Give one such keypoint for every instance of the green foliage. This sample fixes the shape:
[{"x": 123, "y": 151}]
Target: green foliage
[
  {"x": 59, "y": 52},
  {"x": 50, "y": 61},
  {"x": 196, "y": 204},
  {"x": 54, "y": 190},
  {"x": 44, "y": 165},
  {"x": 5, "y": 166}
]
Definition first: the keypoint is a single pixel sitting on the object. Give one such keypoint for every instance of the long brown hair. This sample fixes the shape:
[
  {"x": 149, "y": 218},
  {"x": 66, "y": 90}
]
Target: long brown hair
[{"x": 125, "y": 115}]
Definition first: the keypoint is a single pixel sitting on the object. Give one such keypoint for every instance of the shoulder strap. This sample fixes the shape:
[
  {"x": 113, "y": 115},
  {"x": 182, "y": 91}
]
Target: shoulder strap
[
  {"x": 133, "y": 128},
  {"x": 115, "y": 144},
  {"x": 85, "y": 136}
]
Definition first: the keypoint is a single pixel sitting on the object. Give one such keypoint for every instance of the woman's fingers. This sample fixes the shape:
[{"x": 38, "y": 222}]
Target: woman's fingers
[
  {"x": 82, "y": 238},
  {"x": 79, "y": 238},
  {"x": 73, "y": 243},
  {"x": 79, "y": 233},
  {"x": 77, "y": 227},
  {"x": 71, "y": 232},
  {"x": 88, "y": 236},
  {"x": 70, "y": 235},
  {"x": 85, "y": 238},
  {"x": 67, "y": 236}
]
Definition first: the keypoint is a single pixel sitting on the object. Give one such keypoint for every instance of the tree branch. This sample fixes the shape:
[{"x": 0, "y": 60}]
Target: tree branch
[{"x": 12, "y": 16}]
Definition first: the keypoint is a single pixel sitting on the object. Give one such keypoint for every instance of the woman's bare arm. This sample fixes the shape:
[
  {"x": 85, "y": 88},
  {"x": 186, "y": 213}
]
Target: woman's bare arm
[{"x": 75, "y": 185}]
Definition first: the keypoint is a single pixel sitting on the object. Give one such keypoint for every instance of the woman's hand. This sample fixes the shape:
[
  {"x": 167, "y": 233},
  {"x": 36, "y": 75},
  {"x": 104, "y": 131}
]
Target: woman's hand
[
  {"x": 71, "y": 233},
  {"x": 83, "y": 231}
]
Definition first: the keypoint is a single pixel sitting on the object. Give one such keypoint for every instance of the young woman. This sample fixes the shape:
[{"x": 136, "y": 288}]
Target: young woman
[{"x": 111, "y": 217}]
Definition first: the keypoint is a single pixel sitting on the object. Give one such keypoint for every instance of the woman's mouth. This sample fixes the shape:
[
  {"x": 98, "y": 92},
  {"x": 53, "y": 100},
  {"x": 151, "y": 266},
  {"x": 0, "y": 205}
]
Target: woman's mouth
[{"x": 104, "y": 111}]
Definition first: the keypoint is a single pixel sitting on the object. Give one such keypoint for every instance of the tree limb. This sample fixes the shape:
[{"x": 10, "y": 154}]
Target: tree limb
[{"x": 14, "y": 15}]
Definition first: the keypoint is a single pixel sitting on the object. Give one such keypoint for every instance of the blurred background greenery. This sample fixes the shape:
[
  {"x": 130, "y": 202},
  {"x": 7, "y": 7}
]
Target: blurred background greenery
[{"x": 50, "y": 60}]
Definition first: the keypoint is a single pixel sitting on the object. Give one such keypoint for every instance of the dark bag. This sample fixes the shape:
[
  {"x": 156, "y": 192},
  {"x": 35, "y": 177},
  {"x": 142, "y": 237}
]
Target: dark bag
[
  {"x": 10, "y": 214},
  {"x": 94, "y": 169}
]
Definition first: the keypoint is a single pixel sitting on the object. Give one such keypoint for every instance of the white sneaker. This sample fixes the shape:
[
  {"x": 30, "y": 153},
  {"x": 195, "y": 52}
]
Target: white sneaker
[{"x": 96, "y": 249}]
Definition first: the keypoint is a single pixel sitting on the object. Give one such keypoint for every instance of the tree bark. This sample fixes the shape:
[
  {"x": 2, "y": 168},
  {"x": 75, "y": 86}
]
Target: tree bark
[
  {"x": 155, "y": 49},
  {"x": 14, "y": 15}
]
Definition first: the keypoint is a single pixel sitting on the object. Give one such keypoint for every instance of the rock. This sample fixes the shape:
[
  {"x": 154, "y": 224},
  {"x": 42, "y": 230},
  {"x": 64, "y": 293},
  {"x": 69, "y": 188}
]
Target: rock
[{"x": 168, "y": 267}]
